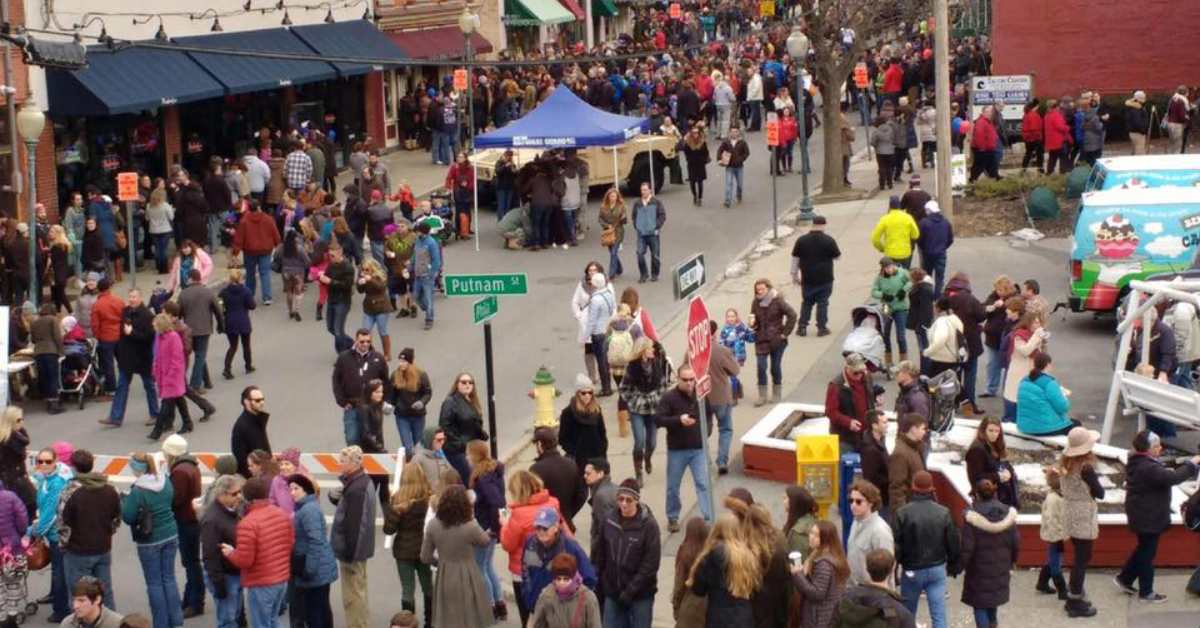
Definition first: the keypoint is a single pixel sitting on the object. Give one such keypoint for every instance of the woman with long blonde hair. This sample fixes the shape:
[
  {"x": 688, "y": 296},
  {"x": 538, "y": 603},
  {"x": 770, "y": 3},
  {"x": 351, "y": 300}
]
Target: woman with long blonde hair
[
  {"x": 411, "y": 392},
  {"x": 462, "y": 420},
  {"x": 405, "y": 518},
  {"x": 60, "y": 267},
  {"x": 771, "y": 602},
  {"x": 728, "y": 573},
  {"x": 14, "y": 443},
  {"x": 487, "y": 480},
  {"x": 160, "y": 215},
  {"x": 613, "y": 215}
]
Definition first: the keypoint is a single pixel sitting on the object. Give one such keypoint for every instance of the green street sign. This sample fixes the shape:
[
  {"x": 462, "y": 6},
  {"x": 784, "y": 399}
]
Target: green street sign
[
  {"x": 486, "y": 308},
  {"x": 504, "y": 284},
  {"x": 689, "y": 276}
]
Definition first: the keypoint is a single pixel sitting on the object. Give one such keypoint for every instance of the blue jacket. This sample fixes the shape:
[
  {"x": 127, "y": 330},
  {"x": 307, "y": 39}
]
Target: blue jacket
[
  {"x": 535, "y": 565},
  {"x": 937, "y": 235},
  {"x": 648, "y": 218},
  {"x": 49, "y": 489},
  {"x": 1041, "y": 406},
  {"x": 106, "y": 222},
  {"x": 426, "y": 257},
  {"x": 312, "y": 549},
  {"x": 238, "y": 301},
  {"x": 156, "y": 494}
]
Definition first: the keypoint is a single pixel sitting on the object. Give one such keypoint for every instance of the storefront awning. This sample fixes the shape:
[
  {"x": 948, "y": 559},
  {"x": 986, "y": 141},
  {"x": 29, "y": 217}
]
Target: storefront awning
[
  {"x": 438, "y": 44},
  {"x": 358, "y": 38},
  {"x": 128, "y": 81},
  {"x": 604, "y": 8},
  {"x": 574, "y": 8},
  {"x": 245, "y": 73},
  {"x": 535, "y": 13}
]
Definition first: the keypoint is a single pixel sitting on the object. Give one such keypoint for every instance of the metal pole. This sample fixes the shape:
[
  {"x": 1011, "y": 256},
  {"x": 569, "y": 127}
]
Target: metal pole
[
  {"x": 651, "y": 171},
  {"x": 941, "y": 38},
  {"x": 129, "y": 207},
  {"x": 31, "y": 156},
  {"x": 806, "y": 204},
  {"x": 10, "y": 102},
  {"x": 491, "y": 387},
  {"x": 774, "y": 192},
  {"x": 470, "y": 98},
  {"x": 704, "y": 434}
]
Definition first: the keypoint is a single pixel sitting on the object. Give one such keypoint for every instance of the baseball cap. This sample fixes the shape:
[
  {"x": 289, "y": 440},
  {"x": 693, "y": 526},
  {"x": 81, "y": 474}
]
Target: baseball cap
[{"x": 545, "y": 518}]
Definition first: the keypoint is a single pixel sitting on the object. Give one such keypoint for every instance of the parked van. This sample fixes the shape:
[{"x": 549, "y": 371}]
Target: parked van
[
  {"x": 1144, "y": 171},
  {"x": 1126, "y": 234}
]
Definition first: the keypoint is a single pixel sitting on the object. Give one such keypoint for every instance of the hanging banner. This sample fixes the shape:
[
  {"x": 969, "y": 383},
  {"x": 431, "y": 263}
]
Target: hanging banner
[
  {"x": 676, "y": 11},
  {"x": 766, "y": 8},
  {"x": 773, "y": 133},
  {"x": 861, "y": 78},
  {"x": 127, "y": 186},
  {"x": 460, "y": 80}
]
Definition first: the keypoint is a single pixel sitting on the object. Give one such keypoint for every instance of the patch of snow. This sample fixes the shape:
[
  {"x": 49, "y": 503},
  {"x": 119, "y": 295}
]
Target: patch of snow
[
  {"x": 1023, "y": 444},
  {"x": 1107, "y": 483},
  {"x": 1104, "y": 468},
  {"x": 1027, "y": 234},
  {"x": 736, "y": 269},
  {"x": 1030, "y": 473},
  {"x": 1114, "y": 496},
  {"x": 765, "y": 247}
]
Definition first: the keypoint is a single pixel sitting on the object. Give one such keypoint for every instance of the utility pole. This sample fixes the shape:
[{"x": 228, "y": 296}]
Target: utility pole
[{"x": 941, "y": 49}]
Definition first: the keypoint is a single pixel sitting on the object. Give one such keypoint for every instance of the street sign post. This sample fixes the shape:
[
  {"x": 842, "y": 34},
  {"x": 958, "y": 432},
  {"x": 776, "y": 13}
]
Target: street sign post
[
  {"x": 127, "y": 192},
  {"x": 699, "y": 339},
  {"x": 460, "y": 80},
  {"x": 485, "y": 309},
  {"x": 689, "y": 276},
  {"x": 501, "y": 284}
]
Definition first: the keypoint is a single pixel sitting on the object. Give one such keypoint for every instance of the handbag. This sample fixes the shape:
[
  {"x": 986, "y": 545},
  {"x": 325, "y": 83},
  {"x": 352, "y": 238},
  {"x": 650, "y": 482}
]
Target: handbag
[
  {"x": 37, "y": 555},
  {"x": 143, "y": 526},
  {"x": 608, "y": 236}
]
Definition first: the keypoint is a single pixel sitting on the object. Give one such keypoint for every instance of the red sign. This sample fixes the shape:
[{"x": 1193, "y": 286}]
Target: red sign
[
  {"x": 460, "y": 80},
  {"x": 861, "y": 79},
  {"x": 931, "y": 23},
  {"x": 676, "y": 11},
  {"x": 127, "y": 186},
  {"x": 773, "y": 133},
  {"x": 699, "y": 341}
]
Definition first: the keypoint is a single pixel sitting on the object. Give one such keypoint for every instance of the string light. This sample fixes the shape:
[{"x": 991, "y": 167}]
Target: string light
[
  {"x": 246, "y": 7},
  {"x": 287, "y": 20}
]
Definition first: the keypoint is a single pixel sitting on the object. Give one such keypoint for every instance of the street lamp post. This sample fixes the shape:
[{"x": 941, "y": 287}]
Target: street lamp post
[
  {"x": 797, "y": 47},
  {"x": 468, "y": 23},
  {"x": 30, "y": 122}
]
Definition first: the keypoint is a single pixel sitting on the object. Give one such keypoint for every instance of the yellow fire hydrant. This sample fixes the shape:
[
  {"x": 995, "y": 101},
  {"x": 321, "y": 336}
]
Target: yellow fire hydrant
[{"x": 543, "y": 395}]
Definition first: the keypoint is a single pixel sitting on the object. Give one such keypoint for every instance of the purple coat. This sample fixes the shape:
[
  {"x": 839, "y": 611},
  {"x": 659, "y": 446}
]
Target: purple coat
[
  {"x": 170, "y": 365},
  {"x": 14, "y": 520},
  {"x": 281, "y": 495}
]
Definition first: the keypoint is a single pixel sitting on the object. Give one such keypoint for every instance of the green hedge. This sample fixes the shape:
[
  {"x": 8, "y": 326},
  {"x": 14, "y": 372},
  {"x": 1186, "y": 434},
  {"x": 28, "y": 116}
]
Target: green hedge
[{"x": 1012, "y": 187}]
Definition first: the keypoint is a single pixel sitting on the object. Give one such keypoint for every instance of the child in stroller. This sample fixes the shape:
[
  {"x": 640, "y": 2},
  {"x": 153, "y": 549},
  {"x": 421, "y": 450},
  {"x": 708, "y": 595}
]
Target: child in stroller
[
  {"x": 866, "y": 339},
  {"x": 76, "y": 372}
]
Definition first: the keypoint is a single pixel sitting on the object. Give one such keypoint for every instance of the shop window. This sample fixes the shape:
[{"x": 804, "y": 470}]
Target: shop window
[{"x": 8, "y": 196}]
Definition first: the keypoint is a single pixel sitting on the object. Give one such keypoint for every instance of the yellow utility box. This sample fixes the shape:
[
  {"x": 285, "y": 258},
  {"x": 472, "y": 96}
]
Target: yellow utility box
[{"x": 817, "y": 460}]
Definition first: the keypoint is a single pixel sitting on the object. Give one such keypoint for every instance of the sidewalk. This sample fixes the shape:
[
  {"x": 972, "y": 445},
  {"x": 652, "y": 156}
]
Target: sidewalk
[{"x": 413, "y": 166}]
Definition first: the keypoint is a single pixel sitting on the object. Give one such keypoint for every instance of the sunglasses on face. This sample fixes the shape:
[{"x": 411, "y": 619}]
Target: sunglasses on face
[
  {"x": 257, "y": 399},
  {"x": 857, "y": 501},
  {"x": 45, "y": 461},
  {"x": 687, "y": 379},
  {"x": 586, "y": 393},
  {"x": 626, "y": 500}
]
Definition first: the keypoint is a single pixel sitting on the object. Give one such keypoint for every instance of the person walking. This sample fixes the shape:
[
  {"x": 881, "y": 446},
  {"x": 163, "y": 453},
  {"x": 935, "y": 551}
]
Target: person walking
[
  {"x": 772, "y": 320},
  {"x": 1148, "y": 491},
  {"x": 935, "y": 239},
  {"x": 600, "y": 309},
  {"x": 581, "y": 430},
  {"x": 560, "y": 475},
  {"x": 410, "y": 396},
  {"x": 312, "y": 556},
  {"x": 626, "y": 553},
  {"x": 895, "y": 234},
  {"x": 613, "y": 218},
  {"x": 679, "y": 413},
  {"x": 237, "y": 300},
  {"x": 1081, "y": 490},
  {"x": 567, "y": 603},
  {"x": 487, "y": 482},
  {"x": 527, "y": 497},
  {"x": 51, "y": 477},
  {"x": 873, "y": 601},
  {"x": 250, "y": 429},
  {"x": 869, "y": 531},
  {"x": 891, "y": 286},
  {"x": 649, "y": 215},
  {"x": 294, "y": 264},
  {"x": 907, "y": 459},
  {"x": 603, "y": 494},
  {"x": 256, "y": 238},
  {"x": 647, "y": 377},
  {"x": 732, "y": 154},
  {"x": 377, "y": 307},
  {"x": 353, "y": 369},
  {"x": 1032, "y": 134},
  {"x": 184, "y": 474},
  {"x": 726, "y": 573},
  {"x": 1057, "y": 136},
  {"x": 580, "y": 301},
  {"x": 353, "y": 535},
  {"x": 849, "y": 399},
  {"x": 723, "y": 368},
  {"x": 170, "y": 366},
  {"x": 697, "y": 156},
  {"x": 199, "y": 308},
  {"x": 984, "y": 141},
  {"x": 461, "y": 418},
  {"x": 105, "y": 323},
  {"x": 405, "y": 519},
  {"x": 822, "y": 577},
  {"x": 263, "y": 554},
  {"x": 218, "y": 526},
  {"x": 147, "y": 512},
  {"x": 338, "y": 278},
  {"x": 460, "y": 595},
  {"x": 990, "y": 546},
  {"x": 1179, "y": 115},
  {"x": 882, "y": 137},
  {"x": 971, "y": 314},
  {"x": 135, "y": 356},
  {"x": 425, "y": 267},
  {"x": 813, "y": 255},
  {"x": 89, "y": 515},
  {"x": 927, "y": 548},
  {"x": 549, "y": 539}
]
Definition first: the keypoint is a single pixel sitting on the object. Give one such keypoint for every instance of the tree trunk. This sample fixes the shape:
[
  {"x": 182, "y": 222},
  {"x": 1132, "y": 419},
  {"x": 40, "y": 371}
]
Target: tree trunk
[{"x": 831, "y": 92}]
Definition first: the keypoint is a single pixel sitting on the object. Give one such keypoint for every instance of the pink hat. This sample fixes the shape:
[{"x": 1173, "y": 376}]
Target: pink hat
[
  {"x": 376, "y": 195},
  {"x": 291, "y": 454},
  {"x": 63, "y": 450}
]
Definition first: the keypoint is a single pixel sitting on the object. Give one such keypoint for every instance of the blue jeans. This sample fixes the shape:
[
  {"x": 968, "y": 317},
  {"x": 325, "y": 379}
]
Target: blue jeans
[
  {"x": 645, "y": 433},
  {"x": 378, "y": 254},
  {"x": 98, "y": 566},
  {"x": 733, "y": 176},
  {"x": 652, "y": 243},
  {"x": 116, "y": 413},
  {"x": 350, "y": 426},
  {"x": 335, "y": 324},
  {"x": 679, "y": 460},
  {"x": 377, "y": 321},
  {"x": 487, "y": 566},
  {"x": 229, "y": 607},
  {"x": 158, "y": 567},
  {"x": 600, "y": 351},
  {"x": 931, "y": 580},
  {"x": 411, "y": 429},
  {"x": 1010, "y": 411},
  {"x": 986, "y": 617},
  {"x": 540, "y": 218},
  {"x": 922, "y": 344},
  {"x": 161, "y": 242},
  {"x": 775, "y": 358},
  {"x": 423, "y": 291},
  {"x": 189, "y": 555},
  {"x": 569, "y": 216},
  {"x": 214, "y": 231},
  {"x": 258, "y": 267},
  {"x": 504, "y": 201},
  {"x": 60, "y": 596},
  {"x": 264, "y": 603},
  {"x": 816, "y": 296},
  {"x": 615, "y": 269},
  {"x": 638, "y": 614},
  {"x": 106, "y": 351},
  {"x": 1054, "y": 556},
  {"x": 200, "y": 364},
  {"x": 995, "y": 371},
  {"x": 724, "y": 414},
  {"x": 970, "y": 370},
  {"x": 935, "y": 265},
  {"x": 899, "y": 320}
]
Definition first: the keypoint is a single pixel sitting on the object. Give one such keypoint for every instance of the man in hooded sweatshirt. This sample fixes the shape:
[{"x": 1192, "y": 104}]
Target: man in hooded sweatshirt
[
  {"x": 865, "y": 604},
  {"x": 185, "y": 480},
  {"x": 935, "y": 239},
  {"x": 89, "y": 515}
]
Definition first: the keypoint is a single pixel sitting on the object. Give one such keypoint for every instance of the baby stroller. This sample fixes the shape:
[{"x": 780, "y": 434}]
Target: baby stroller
[
  {"x": 14, "y": 587},
  {"x": 78, "y": 369},
  {"x": 442, "y": 208},
  {"x": 866, "y": 339}
]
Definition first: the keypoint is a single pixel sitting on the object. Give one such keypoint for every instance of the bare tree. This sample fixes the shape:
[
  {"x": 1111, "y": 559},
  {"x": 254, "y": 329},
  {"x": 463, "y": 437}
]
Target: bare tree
[{"x": 832, "y": 60}]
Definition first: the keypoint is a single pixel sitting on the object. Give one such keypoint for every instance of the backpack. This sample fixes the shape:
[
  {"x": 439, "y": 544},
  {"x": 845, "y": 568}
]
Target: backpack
[
  {"x": 620, "y": 347},
  {"x": 960, "y": 341},
  {"x": 851, "y": 614},
  {"x": 1191, "y": 512},
  {"x": 185, "y": 336}
]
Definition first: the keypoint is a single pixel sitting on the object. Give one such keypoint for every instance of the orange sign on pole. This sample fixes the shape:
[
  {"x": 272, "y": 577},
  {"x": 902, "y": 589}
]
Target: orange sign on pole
[
  {"x": 676, "y": 11},
  {"x": 127, "y": 186},
  {"x": 460, "y": 80},
  {"x": 931, "y": 23},
  {"x": 773, "y": 133},
  {"x": 861, "y": 80}
]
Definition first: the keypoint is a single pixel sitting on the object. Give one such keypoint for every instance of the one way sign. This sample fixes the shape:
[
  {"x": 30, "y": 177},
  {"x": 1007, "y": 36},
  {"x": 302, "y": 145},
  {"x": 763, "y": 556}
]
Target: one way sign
[{"x": 689, "y": 276}]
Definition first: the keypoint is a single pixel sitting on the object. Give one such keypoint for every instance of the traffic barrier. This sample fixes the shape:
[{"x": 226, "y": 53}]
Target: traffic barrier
[{"x": 322, "y": 466}]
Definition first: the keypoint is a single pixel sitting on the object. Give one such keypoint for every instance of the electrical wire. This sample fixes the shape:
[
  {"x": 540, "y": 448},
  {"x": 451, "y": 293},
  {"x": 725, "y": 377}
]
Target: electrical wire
[{"x": 211, "y": 12}]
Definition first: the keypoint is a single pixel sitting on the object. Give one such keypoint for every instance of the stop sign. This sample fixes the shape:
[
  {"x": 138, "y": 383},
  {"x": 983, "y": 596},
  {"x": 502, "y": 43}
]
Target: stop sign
[{"x": 699, "y": 344}]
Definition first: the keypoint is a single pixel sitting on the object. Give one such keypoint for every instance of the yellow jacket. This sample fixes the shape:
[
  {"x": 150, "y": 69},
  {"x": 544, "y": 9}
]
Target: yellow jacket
[{"x": 895, "y": 233}]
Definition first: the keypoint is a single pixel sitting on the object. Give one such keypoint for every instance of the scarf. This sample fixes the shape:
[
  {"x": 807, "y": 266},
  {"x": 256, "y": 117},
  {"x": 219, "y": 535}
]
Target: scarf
[
  {"x": 572, "y": 588},
  {"x": 767, "y": 298}
]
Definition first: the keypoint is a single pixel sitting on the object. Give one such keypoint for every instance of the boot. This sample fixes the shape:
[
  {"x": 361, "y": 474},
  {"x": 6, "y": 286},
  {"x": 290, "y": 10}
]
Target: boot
[
  {"x": 762, "y": 397},
  {"x": 776, "y": 392},
  {"x": 500, "y": 611},
  {"x": 187, "y": 427},
  {"x": 623, "y": 423},
  {"x": 637, "y": 467},
  {"x": 887, "y": 360},
  {"x": 1078, "y": 606},
  {"x": 428, "y": 611},
  {"x": 409, "y": 606},
  {"x": 387, "y": 348},
  {"x": 589, "y": 362},
  {"x": 647, "y": 458},
  {"x": 319, "y": 315},
  {"x": 1043, "y": 582},
  {"x": 53, "y": 406},
  {"x": 1060, "y": 584}
]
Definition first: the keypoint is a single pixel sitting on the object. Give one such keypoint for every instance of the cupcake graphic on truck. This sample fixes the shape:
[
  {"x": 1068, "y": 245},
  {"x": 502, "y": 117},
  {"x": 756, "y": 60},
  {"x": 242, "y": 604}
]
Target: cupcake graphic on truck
[{"x": 1126, "y": 234}]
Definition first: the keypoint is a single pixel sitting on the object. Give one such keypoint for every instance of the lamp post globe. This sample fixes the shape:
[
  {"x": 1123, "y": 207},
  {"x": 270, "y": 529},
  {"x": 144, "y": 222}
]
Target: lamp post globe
[
  {"x": 30, "y": 122},
  {"x": 797, "y": 44},
  {"x": 468, "y": 22}
]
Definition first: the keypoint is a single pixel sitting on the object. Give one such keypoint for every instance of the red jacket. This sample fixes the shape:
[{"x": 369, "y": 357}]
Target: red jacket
[
  {"x": 1031, "y": 126},
  {"x": 256, "y": 234},
  {"x": 789, "y": 130},
  {"x": 893, "y": 79},
  {"x": 460, "y": 176},
  {"x": 983, "y": 135},
  {"x": 264, "y": 545},
  {"x": 520, "y": 526},
  {"x": 106, "y": 317},
  {"x": 1057, "y": 132},
  {"x": 705, "y": 87}
]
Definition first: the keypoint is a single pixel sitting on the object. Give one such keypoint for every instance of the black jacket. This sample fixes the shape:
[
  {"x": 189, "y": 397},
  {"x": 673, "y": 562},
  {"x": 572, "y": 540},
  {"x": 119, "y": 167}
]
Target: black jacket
[
  {"x": 217, "y": 194},
  {"x": 874, "y": 459},
  {"x": 920, "y": 306},
  {"x": 863, "y": 604},
  {"x": 192, "y": 210},
  {"x": 562, "y": 480},
  {"x": 813, "y": 255},
  {"x": 673, "y": 405},
  {"x": 370, "y": 428},
  {"x": 982, "y": 463},
  {"x": 461, "y": 422},
  {"x": 626, "y": 554},
  {"x": 403, "y": 399},
  {"x": 989, "y": 551},
  {"x": 351, "y": 373},
  {"x": 1148, "y": 492},
  {"x": 925, "y": 535},
  {"x": 218, "y": 525},
  {"x": 723, "y": 608},
  {"x": 249, "y": 433},
  {"x": 582, "y": 435},
  {"x": 135, "y": 351}
]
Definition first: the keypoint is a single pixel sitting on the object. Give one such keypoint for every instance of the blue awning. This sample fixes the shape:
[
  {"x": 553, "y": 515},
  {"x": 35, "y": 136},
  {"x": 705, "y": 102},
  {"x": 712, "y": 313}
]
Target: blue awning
[
  {"x": 358, "y": 38},
  {"x": 128, "y": 81},
  {"x": 241, "y": 74}
]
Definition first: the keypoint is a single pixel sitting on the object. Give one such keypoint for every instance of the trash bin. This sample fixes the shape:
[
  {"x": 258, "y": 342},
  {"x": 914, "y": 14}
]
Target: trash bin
[{"x": 850, "y": 469}]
